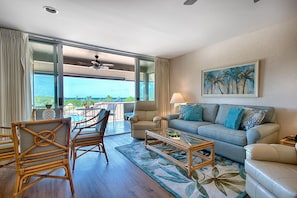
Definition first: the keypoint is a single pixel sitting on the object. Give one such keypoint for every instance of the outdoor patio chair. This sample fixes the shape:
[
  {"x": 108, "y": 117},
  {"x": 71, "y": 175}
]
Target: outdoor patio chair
[
  {"x": 37, "y": 113},
  {"x": 89, "y": 134},
  {"x": 41, "y": 147},
  {"x": 6, "y": 147}
]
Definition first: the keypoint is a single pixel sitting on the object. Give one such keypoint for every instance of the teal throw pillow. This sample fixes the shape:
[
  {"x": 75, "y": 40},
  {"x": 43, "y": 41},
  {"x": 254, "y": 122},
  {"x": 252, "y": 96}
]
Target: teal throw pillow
[
  {"x": 182, "y": 109},
  {"x": 234, "y": 118},
  {"x": 193, "y": 113}
]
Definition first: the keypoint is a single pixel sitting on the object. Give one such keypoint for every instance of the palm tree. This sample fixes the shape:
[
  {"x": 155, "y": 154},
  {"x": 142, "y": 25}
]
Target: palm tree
[
  {"x": 219, "y": 81},
  {"x": 209, "y": 82},
  {"x": 247, "y": 75},
  {"x": 235, "y": 76},
  {"x": 228, "y": 80}
]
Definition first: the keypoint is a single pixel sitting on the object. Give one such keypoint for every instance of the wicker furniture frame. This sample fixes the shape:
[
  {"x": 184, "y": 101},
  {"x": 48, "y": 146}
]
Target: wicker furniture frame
[
  {"x": 6, "y": 147},
  {"x": 41, "y": 147},
  {"x": 86, "y": 137},
  {"x": 190, "y": 144}
]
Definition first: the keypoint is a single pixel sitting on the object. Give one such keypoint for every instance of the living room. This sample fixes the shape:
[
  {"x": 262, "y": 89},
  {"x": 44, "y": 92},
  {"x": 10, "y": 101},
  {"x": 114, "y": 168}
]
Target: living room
[{"x": 272, "y": 45}]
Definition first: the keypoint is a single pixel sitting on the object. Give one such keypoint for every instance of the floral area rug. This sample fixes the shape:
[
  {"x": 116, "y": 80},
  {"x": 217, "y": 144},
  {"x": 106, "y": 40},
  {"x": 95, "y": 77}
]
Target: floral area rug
[{"x": 225, "y": 179}]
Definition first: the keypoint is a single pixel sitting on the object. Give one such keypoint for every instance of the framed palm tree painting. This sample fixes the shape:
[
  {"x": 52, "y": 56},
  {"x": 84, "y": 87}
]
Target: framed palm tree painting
[{"x": 236, "y": 80}]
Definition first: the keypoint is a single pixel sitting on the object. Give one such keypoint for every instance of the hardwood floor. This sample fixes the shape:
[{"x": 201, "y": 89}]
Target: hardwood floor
[{"x": 93, "y": 177}]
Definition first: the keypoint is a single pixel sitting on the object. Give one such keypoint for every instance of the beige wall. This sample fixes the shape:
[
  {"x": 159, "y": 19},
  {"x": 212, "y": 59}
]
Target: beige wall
[{"x": 274, "y": 46}]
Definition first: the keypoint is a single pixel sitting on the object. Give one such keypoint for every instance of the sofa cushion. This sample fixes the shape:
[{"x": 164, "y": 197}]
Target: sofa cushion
[
  {"x": 269, "y": 112},
  {"x": 209, "y": 112},
  {"x": 251, "y": 117},
  {"x": 278, "y": 178},
  {"x": 224, "y": 109},
  {"x": 187, "y": 126},
  {"x": 224, "y": 134},
  {"x": 234, "y": 118},
  {"x": 223, "y": 113},
  {"x": 193, "y": 113}
]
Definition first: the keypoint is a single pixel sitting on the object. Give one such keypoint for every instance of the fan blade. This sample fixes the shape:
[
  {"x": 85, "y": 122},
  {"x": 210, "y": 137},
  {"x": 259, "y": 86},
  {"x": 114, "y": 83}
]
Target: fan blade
[
  {"x": 108, "y": 65},
  {"x": 189, "y": 2},
  {"x": 104, "y": 67}
]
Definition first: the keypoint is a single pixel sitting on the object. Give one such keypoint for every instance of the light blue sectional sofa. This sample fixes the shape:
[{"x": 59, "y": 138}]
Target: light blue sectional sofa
[{"x": 229, "y": 142}]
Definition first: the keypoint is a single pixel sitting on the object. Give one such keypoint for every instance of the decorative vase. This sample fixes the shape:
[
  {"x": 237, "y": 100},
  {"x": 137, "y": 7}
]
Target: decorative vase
[{"x": 48, "y": 114}]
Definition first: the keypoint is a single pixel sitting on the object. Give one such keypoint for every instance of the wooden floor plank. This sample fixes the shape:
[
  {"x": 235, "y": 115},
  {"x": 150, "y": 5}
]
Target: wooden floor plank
[{"x": 93, "y": 177}]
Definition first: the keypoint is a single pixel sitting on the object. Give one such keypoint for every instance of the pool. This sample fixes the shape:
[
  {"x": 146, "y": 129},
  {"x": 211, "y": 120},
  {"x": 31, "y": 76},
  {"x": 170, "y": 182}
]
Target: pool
[{"x": 77, "y": 118}]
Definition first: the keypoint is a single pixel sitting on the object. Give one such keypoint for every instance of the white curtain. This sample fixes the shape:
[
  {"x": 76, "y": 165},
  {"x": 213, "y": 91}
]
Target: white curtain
[
  {"x": 15, "y": 70},
  {"x": 162, "y": 86}
]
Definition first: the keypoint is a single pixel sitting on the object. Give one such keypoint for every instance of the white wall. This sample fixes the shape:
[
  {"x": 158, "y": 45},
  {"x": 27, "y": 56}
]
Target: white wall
[{"x": 274, "y": 46}]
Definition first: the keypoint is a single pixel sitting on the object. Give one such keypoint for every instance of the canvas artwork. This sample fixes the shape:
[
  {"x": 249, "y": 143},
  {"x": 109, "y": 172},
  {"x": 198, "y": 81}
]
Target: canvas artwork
[{"x": 237, "y": 80}]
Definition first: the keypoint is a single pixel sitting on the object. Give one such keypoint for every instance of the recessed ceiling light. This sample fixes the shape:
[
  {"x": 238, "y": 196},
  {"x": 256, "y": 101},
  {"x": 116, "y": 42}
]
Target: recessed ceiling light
[{"x": 50, "y": 9}]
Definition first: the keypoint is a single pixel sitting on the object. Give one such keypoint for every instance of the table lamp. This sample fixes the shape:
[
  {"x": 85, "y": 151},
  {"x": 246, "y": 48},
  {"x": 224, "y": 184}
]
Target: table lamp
[{"x": 176, "y": 99}]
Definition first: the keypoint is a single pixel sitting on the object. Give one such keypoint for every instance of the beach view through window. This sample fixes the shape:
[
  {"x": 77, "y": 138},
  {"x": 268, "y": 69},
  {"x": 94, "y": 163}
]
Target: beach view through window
[{"x": 80, "y": 90}]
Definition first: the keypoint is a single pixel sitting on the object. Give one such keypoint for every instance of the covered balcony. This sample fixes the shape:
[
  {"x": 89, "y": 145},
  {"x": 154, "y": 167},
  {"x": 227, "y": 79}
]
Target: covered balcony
[{"x": 118, "y": 120}]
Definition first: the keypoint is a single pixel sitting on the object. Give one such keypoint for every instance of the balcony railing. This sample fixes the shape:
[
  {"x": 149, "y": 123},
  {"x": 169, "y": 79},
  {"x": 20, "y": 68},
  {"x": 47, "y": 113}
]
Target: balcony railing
[{"x": 119, "y": 111}]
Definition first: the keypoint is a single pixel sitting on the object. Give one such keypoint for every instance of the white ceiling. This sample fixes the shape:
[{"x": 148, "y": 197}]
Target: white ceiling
[{"x": 164, "y": 28}]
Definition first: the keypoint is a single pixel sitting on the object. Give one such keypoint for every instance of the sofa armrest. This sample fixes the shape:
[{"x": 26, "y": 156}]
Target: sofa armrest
[
  {"x": 172, "y": 116},
  {"x": 272, "y": 152},
  {"x": 261, "y": 131}
]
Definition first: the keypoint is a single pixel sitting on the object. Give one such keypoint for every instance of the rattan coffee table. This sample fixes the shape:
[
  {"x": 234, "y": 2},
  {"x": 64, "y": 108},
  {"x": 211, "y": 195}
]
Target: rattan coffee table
[{"x": 181, "y": 142}]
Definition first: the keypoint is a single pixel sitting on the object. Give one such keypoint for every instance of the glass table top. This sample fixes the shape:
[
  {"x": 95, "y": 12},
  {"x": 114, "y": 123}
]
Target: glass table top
[{"x": 180, "y": 136}]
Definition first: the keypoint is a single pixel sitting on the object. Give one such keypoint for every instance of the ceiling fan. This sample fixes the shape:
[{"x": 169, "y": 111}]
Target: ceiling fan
[
  {"x": 191, "y": 2},
  {"x": 97, "y": 64}
]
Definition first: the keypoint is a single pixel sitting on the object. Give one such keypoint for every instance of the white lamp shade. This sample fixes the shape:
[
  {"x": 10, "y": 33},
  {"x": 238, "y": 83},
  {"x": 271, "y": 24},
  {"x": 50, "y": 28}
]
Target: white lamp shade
[{"x": 177, "y": 98}]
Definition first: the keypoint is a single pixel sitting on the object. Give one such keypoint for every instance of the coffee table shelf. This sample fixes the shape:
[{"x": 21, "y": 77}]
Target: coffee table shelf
[{"x": 181, "y": 142}]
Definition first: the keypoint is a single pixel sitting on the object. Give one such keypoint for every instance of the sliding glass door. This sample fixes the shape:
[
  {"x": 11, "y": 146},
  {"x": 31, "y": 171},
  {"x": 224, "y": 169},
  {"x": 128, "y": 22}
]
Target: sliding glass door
[
  {"x": 145, "y": 79},
  {"x": 65, "y": 76},
  {"x": 47, "y": 74}
]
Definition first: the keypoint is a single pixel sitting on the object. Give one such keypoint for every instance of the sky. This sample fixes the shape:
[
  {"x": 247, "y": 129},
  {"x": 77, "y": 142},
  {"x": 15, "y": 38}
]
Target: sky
[
  {"x": 83, "y": 87},
  {"x": 97, "y": 88}
]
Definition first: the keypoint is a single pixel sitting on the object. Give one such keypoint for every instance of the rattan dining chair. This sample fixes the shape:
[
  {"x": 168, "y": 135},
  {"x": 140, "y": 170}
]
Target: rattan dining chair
[
  {"x": 41, "y": 147},
  {"x": 88, "y": 135},
  {"x": 6, "y": 147}
]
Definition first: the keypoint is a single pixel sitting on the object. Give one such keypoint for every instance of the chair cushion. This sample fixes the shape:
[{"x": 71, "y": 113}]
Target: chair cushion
[
  {"x": 144, "y": 125},
  {"x": 145, "y": 106},
  {"x": 85, "y": 135},
  {"x": 146, "y": 115},
  {"x": 278, "y": 178},
  {"x": 7, "y": 147},
  {"x": 277, "y": 153},
  {"x": 101, "y": 116}
]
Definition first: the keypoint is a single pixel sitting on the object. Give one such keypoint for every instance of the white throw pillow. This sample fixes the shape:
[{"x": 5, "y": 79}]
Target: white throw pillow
[{"x": 251, "y": 117}]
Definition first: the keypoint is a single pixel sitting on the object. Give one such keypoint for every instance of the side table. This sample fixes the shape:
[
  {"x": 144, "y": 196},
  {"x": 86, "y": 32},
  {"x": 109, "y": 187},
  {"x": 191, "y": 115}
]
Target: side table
[{"x": 289, "y": 140}]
